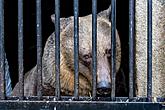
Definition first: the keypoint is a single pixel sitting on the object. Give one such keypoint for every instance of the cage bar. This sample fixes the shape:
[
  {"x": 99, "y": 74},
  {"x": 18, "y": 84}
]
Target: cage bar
[
  {"x": 113, "y": 47},
  {"x": 131, "y": 46},
  {"x": 39, "y": 46},
  {"x": 57, "y": 48},
  {"x": 2, "y": 70},
  {"x": 78, "y": 105},
  {"x": 20, "y": 48},
  {"x": 76, "y": 48},
  {"x": 94, "y": 47},
  {"x": 149, "y": 51}
]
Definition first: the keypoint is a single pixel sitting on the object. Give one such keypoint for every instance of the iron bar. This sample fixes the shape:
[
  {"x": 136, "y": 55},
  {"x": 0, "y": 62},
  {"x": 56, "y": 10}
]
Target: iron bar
[
  {"x": 86, "y": 98},
  {"x": 78, "y": 105},
  {"x": 20, "y": 48},
  {"x": 76, "y": 48},
  {"x": 113, "y": 46},
  {"x": 131, "y": 46},
  {"x": 2, "y": 69},
  {"x": 94, "y": 47},
  {"x": 149, "y": 51},
  {"x": 57, "y": 48},
  {"x": 39, "y": 46}
]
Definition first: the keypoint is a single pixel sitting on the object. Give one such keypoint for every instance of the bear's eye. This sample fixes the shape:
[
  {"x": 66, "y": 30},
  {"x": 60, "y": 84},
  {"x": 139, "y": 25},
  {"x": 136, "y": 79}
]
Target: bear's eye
[
  {"x": 108, "y": 52},
  {"x": 87, "y": 59}
]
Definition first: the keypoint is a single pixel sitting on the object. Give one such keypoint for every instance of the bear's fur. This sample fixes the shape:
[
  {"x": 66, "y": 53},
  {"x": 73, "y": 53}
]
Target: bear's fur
[{"x": 67, "y": 59}]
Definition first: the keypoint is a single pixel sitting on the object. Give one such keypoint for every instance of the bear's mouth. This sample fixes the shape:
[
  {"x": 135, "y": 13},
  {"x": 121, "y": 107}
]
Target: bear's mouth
[{"x": 103, "y": 92}]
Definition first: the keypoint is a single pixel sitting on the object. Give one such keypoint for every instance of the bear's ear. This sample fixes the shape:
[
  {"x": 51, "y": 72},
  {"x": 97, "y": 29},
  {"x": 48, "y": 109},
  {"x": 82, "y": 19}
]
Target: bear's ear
[
  {"x": 53, "y": 18},
  {"x": 63, "y": 21},
  {"x": 106, "y": 13}
]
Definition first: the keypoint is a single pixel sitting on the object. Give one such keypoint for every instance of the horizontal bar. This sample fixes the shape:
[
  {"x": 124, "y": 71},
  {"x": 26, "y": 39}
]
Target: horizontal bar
[
  {"x": 149, "y": 51},
  {"x": 113, "y": 47},
  {"x": 39, "y": 46},
  {"x": 76, "y": 48},
  {"x": 2, "y": 69},
  {"x": 94, "y": 47},
  {"x": 131, "y": 46},
  {"x": 57, "y": 48},
  {"x": 78, "y": 105},
  {"x": 71, "y": 98},
  {"x": 20, "y": 48}
]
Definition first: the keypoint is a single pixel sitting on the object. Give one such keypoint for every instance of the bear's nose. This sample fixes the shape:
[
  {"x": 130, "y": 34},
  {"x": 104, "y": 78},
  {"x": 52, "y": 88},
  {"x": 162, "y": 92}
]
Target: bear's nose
[{"x": 104, "y": 88}]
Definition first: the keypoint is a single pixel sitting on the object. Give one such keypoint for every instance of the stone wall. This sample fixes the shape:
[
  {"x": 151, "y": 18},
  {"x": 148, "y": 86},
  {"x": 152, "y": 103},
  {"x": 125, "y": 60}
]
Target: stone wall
[{"x": 158, "y": 44}]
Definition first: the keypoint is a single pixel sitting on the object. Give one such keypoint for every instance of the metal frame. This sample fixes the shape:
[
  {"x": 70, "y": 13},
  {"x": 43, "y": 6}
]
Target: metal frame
[
  {"x": 76, "y": 102},
  {"x": 77, "y": 105}
]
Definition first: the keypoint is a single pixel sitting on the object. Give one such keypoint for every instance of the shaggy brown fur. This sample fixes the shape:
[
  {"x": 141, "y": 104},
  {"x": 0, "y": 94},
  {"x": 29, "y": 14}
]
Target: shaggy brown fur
[{"x": 67, "y": 60}]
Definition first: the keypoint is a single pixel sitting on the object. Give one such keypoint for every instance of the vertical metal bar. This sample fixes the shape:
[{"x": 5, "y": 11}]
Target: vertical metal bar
[
  {"x": 39, "y": 46},
  {"x": 149, "y": 51},
  {"x": 113, "y": 47},
  {"x": 131, "y": 46},
  {"x": 2, "y": 70},
  {"x": 94, "y": 46},
  {"x": 57, "y": 48},
  {"x": 76, "y": 48},
  {"x": 20, "y": 48}
]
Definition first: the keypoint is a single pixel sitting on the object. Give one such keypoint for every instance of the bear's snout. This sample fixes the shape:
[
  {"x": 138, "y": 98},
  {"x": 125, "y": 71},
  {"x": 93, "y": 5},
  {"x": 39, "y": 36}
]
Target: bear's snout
[
  {"x": 103, "y": 77},
  {"x": 104, "y": 88}
]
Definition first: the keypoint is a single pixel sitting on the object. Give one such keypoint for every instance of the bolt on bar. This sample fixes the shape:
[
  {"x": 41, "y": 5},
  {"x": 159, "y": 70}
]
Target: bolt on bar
[
  {"x": 39, "y": 46},
  {"x": 149, "y": 51},
  {"x": 131, "y": 46},
  {"x": 20, "y": 48},
  {"x": 57, "y": 48},
  {"x": 113, "y": 47},
  {"x": 94, "y": 47},
  {"x": 2, "y": 70},
  {"x": 76, "y": 48}
]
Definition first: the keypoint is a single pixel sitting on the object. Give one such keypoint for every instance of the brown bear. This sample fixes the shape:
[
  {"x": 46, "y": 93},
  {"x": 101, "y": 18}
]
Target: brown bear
[{"x": 67, "y": 59}]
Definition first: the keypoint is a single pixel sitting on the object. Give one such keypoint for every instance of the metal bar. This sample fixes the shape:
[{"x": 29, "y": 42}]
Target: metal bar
[
  {"x": 94, "y": 47},
  {"x": 57, "y": 48},
  {"x": 78, "y": 105},
  {"x": 2, "y": 70},
  {"x": 131, "y": 46},
  {"x": 20, "y": 48},
  {"x": 86, "y": 98},
  {"x": 113, "y": 47},
  {"x": 39, "y": 46},
  {"x": 149, "y": 51},
  {"x": 76, "y": 48}
]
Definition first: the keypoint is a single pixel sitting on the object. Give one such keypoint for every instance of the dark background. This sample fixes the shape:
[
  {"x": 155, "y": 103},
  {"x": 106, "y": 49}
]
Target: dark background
[{"x": 66, "y": 8}]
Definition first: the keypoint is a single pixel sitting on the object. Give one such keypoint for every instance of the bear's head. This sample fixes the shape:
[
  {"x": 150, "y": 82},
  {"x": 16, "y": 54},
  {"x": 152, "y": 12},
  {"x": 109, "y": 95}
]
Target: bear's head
[{"x": 85, "y": 51}]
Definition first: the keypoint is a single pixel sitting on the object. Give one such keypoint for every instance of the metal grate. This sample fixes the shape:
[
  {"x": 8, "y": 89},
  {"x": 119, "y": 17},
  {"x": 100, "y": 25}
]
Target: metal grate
[{"x": 76, "y": 102}]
